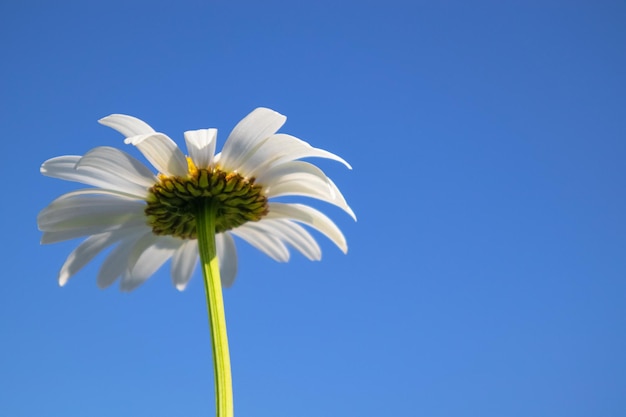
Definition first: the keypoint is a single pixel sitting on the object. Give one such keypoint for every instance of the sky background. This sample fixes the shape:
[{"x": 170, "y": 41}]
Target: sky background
[{"x": 486, "y": 274}]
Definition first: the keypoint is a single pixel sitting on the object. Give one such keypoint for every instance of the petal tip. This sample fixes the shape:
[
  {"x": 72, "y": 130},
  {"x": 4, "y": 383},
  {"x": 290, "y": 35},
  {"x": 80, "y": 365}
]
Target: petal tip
[
  {"x": 63, "y": 278},
  {"x": 103, "y": 120},
  {"x": 269, "y": 111},
  {"x": 350, "y": 212}
]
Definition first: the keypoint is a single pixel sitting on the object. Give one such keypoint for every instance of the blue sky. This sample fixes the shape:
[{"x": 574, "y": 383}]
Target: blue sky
[{"x": 485, "y": 276}]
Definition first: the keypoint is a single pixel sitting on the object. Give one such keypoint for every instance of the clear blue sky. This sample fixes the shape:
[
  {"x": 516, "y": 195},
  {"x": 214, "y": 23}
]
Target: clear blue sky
[{"x": 486, "y": 275}]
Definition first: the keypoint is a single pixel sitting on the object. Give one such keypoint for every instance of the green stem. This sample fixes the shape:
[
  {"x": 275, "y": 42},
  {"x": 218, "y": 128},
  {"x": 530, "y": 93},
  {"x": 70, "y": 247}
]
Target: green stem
[{"x": 205, "y": 223}]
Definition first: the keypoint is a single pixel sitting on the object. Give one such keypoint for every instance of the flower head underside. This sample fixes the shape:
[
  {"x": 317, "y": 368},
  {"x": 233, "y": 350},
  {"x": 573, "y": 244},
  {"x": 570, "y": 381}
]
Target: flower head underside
[{"x": 146, "y": 219}]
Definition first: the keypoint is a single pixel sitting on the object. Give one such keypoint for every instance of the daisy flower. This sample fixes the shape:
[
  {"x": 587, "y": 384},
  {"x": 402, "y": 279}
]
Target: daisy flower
[
  {"x": 148, "y": 219},
  {"x": 191, "y": 209}
]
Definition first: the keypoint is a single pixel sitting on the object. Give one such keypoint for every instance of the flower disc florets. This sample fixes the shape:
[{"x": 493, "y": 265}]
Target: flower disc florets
[{"x": 173, "y": 201}]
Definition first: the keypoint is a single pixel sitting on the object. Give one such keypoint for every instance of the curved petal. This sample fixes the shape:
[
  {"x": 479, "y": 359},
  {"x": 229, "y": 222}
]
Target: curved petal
[
  {"x": 274, "y": 175},
  {"x": 136, "y": 223},
  {"x": 293, "y": 234},
  {"x": 126, "y": 125},
  {"x": 311, "y": 217},
  {"x": 281, "y": 148},
  {"x": 201, "y": 146},
  {"x": 65, "y": 168},
  {"x": 268, "y": 244},
  {"x": 87, "y": 250},
  {"x": 303, "y": 179},
  {"x": 118, "y": 163},
  {"x": 227, "y": 256},
  {"x": 184, "y": 263},
  {"x": 313, "y": 190},
  {"x": 61, "y": 167},
  {"x": 162, "y": 152},
  {"x": 95, "y": 192},
  {"x": 88, "y": 211},
  {"x": 117, "y": 261},
  {"x": 146, "y": 257},
  {"x": 247, "y": 134}
]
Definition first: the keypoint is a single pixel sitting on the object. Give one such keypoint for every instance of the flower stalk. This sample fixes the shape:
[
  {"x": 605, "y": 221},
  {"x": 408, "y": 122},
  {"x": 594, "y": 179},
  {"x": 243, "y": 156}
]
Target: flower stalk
[{"x": 206, "y": 224}]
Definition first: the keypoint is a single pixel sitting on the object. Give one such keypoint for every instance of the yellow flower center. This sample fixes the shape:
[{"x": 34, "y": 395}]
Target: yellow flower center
[{"x": 173, "y": 201}]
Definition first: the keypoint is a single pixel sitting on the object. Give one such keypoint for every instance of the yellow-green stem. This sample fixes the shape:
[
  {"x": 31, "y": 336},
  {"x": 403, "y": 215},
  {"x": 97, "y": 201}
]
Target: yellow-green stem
[{"x": 205, "y": 223}]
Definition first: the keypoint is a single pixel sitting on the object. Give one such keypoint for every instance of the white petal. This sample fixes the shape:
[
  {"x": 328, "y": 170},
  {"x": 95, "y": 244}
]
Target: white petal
[
  {"x": 201, "y": 146},
  {"x": 136, "y": 223},
  {"x": 87, "y": 250},
  {"x": 65, "y": 168},
  {"x": 184, "y": 263},
  {"x": 227, "y": 256},
  {"x": 270, "y": 245},
  {"x": 303, "y": 179},
  {"x": 61, "y": 167},
  {"x": 117, "y": 261},
  {"x": 158, "y": 148},
  {"x": 313, "y": 190},
  {"x": 281, "y": 148},
  {"x": 98, "y": 192},
  {"x": 118, "y": 163},
  {"x": 81, "y": 256},
  {"x": 126, "y": 125},
  {"x": 162, "y": 152},
  {"x": 271, "y": 176},
  {"x": 311, "y": 217},
  {"x": 88, "y": 211},
  {"x": 146, "y": 257},
  {"x": 292, "y": 233},
  {"x": 247, "y": 134}
]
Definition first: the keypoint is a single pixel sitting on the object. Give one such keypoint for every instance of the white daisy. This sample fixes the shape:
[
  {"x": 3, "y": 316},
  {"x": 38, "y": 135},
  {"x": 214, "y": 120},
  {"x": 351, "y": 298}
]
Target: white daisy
[{"x": 148, "y": 219}]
